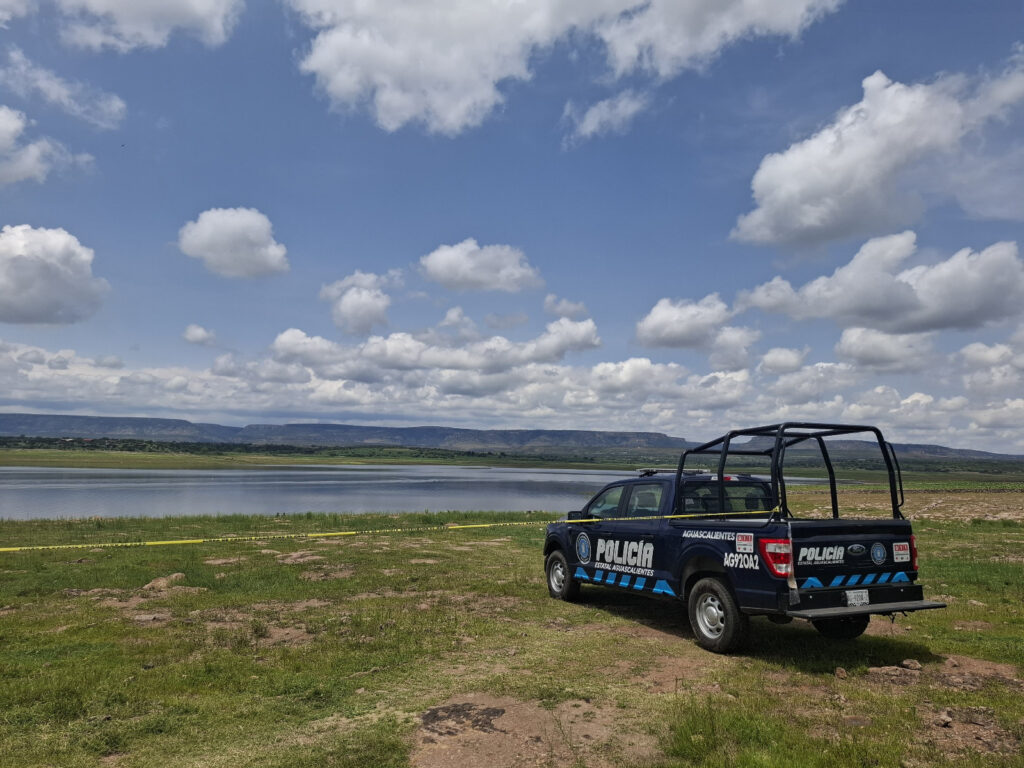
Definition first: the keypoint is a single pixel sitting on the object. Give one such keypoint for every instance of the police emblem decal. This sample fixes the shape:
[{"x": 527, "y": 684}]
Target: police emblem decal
[
  {"x": 877, "y": 553},
  {"x": 583, "y": 548}
]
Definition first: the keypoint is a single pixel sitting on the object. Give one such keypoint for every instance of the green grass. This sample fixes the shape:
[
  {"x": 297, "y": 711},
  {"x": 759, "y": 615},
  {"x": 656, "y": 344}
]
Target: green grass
[{"x": 206, "y": 685}]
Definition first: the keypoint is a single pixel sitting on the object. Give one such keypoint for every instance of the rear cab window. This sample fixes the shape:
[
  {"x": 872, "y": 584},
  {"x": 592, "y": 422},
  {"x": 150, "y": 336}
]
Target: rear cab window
[{"x": 748, "y": 499}]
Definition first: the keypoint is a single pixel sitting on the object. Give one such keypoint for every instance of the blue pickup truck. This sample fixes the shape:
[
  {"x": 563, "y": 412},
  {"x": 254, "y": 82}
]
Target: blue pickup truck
[{"x": 727, "y": 546}]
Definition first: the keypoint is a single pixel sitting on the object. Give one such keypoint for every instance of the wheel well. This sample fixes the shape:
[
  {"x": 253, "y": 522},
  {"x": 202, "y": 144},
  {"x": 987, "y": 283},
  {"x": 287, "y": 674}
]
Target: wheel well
[
  {"x": 700, "y": 568},
  {"x": 550, "y": 546}
]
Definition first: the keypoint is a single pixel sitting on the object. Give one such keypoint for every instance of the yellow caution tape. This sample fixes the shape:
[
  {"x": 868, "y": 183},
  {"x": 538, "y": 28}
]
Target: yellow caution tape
[{"x": 329, "y": 534}]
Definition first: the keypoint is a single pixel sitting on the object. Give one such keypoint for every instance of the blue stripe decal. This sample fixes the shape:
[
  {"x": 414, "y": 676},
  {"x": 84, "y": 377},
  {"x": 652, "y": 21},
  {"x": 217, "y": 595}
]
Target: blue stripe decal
[
  {"x": 639, "y": 583},
  {"x": 661, "y": 587},
  {"x": 884, "y": 578},
  {"x": 853, "y": 580},
  {"x": 611, "y": 578},
  {"x": 837, "y": 581},
  {"x": 581, "y": 575},
  {"x": 812, "y": 583},
  {"x": 624, "y": 581},
  {"x": 598, "y": 576},
  {"x": 898, "y": 577},
  {"x": 868, "y": 580}
]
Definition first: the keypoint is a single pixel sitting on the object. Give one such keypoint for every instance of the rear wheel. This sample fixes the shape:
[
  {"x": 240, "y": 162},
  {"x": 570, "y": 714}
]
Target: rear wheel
[
  {"x": 717, "y": 621},
  {"x": 561, "y": 585},
  {"x": 842, "y": 627}
]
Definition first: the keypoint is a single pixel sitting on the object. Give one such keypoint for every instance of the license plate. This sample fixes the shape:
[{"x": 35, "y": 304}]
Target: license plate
[{"x": 857, "y": 597}]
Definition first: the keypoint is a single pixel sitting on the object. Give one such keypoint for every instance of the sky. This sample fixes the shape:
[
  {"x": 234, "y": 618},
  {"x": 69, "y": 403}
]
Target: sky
[{"x": 679, "y": 216}]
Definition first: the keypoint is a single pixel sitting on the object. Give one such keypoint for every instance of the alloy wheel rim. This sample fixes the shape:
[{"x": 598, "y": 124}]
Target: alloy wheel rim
[
  {"x": 557, "y": 577},
  {"x": 710, "y": 616}
]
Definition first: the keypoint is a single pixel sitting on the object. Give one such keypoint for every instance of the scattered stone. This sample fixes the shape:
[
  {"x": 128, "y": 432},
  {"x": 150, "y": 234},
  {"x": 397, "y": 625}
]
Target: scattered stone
[
  {"x": 892, "y": 675},
  {"x": 944, "y": 720},
  {"x": 911, "y": 664},
  {"x": 841, "y": 673}
]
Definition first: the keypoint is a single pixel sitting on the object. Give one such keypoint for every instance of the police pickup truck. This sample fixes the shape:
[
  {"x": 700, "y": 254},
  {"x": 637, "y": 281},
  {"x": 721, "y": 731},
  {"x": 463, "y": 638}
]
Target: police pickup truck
[{"x": 728, "y": 547}]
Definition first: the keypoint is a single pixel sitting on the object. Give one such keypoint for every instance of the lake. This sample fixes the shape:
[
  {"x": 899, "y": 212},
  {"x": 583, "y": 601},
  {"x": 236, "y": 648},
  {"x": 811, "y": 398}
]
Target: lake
[{"x": 47, "y": 492}]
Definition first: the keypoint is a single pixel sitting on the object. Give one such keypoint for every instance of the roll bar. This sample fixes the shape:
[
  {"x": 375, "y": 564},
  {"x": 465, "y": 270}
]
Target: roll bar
[{"x": 787, "y": 435}]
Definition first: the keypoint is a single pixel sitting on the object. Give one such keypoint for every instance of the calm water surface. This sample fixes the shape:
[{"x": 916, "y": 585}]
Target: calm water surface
[{"x": 45, "y": 492}]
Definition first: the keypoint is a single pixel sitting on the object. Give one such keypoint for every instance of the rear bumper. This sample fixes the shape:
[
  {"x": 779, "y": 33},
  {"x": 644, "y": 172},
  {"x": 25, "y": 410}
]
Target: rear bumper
[{"x": 839, "y": 611}]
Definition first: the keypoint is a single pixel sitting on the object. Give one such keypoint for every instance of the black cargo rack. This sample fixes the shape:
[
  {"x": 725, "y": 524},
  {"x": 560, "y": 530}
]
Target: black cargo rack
[{"x": 786, "y": 435}]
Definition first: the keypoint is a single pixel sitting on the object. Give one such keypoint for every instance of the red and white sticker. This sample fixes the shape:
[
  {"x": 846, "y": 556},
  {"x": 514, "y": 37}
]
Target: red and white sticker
[
  {"x": 744, "y": 542},
  {"x": 901, "y": 551}
]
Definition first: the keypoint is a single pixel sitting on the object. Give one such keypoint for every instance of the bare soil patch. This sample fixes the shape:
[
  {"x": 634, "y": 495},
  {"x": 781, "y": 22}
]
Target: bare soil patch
[
  {"x": 224, "y": 560},
  {"x": 944, "y": 505},
  {"x": 341, "y": 573},
  {"x": 477, "y": 729},
  {"x": 967, "y": 729},
  {"x": 164, "y": 582},
  {"x": 299, "y": 557}
]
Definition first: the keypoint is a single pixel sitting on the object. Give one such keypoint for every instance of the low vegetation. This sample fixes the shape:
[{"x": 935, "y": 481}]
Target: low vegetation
[{"x": 440, "y": 647}]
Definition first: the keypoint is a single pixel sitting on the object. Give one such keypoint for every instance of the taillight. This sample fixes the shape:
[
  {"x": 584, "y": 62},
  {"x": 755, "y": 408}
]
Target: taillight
[
  {"x": 913, "y": 553},
  {"x": 778, "y": 555}
]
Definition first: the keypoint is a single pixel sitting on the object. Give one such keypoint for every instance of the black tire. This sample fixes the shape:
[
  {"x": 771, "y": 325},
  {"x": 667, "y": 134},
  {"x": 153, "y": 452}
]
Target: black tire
[
  {"x": 717, "y": 622},
  {"x": 843, "y": 627},
  {"x": 561, "y": 584}
]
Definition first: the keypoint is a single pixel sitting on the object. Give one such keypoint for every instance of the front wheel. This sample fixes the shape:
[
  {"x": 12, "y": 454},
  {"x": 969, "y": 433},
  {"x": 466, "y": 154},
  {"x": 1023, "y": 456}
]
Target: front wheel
[
  {"x": 717, "y": 621},
  {"x": 561, "y": 585},
  {"x": 842, "y": 627}
]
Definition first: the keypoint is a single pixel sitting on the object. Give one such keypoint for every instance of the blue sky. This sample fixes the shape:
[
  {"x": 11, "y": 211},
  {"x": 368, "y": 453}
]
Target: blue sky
[{"x": 671, "y": 216}]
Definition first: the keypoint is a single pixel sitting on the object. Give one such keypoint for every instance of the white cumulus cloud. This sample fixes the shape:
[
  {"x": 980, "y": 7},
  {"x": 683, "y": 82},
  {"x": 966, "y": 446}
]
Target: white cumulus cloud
[
  {"x": 563, "y": 307},
  {"x": 468, "y": 266},
  {"x": 32, "y": 160},
  {"x": 103, "y": 110},
  {"x": 730, "y": 349},
  {"x": 46, "y": 277},
  {"x": 126, "y": 24},
  {"x": 783, "y": 360},
  {"x": 441, "y": 63},
  {"x": 967, "y": 290},
  {"x": 885, "y": 351},
  {"x": 12, "y": 9},
  {"x": 683, "y": 323},
  {"x": 609, "y": 116},
  {"x": 234, "y": 242},
  {"x": 196, "y": 334},
  {"x": 848, "y": 178},
  {"x": 358, "y": 302}
]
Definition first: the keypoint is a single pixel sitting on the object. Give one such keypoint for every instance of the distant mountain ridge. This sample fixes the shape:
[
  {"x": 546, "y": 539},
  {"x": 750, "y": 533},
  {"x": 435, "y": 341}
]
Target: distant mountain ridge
[
  {"x": 533, "y": 441},
  {"x": 452, "y": 438}
]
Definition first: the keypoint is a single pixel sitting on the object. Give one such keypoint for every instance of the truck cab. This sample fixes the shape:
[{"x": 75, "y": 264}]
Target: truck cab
[{"x": 727, "y": 546}]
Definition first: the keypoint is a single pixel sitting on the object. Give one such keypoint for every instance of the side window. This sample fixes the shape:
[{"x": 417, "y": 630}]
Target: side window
[
  {"x": 607, "y": 504},
  {"x": 644, "y": 500}
]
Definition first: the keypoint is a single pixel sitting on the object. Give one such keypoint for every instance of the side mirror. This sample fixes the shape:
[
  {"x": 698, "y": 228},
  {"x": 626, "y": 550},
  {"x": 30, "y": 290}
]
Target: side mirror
[{"x": 577, "y": 515}]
